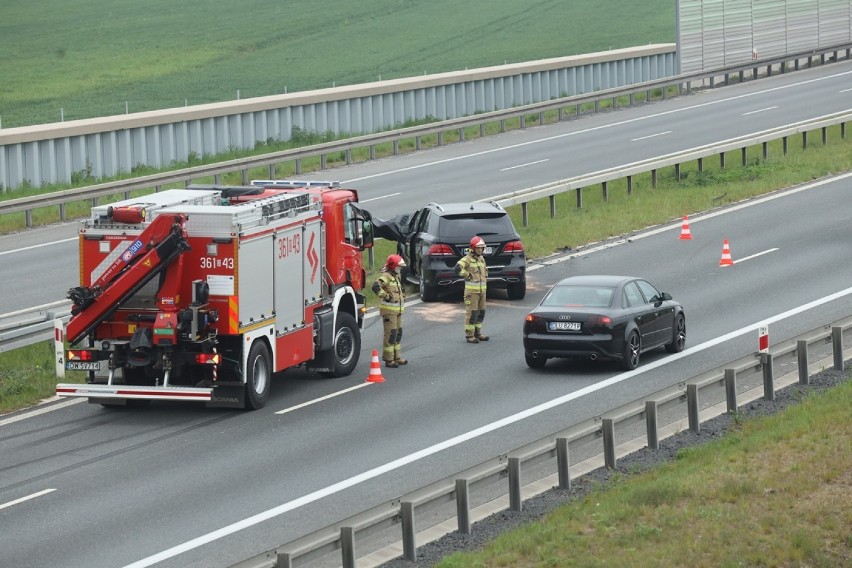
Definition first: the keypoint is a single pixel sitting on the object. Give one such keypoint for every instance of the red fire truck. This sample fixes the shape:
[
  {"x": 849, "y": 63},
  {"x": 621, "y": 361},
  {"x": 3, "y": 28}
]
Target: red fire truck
[{"x": 203, "y": 293}]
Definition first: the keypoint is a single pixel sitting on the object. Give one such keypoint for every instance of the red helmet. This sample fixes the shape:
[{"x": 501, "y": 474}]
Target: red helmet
[
  {"x": 477, "y": 242},
  {"x": 394, "y": 261}
]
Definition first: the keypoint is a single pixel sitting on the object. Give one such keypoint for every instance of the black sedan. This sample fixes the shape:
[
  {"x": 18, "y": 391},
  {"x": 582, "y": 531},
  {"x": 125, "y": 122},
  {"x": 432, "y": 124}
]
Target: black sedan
[{"x": 608, "y": 317}]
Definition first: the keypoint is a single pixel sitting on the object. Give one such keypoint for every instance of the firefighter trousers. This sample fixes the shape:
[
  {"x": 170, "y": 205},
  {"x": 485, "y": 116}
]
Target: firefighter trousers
[
  {"x": 474, "y": 312},
  {"x": 393, "y": 336}
]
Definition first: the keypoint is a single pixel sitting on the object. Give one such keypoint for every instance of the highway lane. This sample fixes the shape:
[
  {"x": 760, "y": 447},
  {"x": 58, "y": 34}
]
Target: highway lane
[
  {"x": 132, "y": 484},
  {"x": 491, "y": 166}
]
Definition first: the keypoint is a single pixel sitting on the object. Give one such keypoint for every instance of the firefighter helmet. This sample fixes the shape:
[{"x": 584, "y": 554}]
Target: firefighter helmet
[
  {"x": 476, "y": 242},
  {"x": 394, "y": 261}
]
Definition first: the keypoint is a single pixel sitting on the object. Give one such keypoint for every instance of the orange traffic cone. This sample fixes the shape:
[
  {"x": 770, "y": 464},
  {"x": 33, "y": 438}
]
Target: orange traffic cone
[
  {"x": 375, "y": 375},
  {"x": 685, "y": 234},
  {"x": 726, "y": 254}
]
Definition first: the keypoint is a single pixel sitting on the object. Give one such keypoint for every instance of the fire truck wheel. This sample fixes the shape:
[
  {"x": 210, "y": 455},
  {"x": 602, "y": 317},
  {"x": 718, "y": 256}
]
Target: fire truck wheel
[
  {"x": 347, "y": 346},
  {"x": 258, "y": 375}
]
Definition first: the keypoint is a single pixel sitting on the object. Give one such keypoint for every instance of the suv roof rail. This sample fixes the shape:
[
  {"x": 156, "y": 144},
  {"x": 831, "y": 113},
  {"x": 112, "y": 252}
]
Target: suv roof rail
[
  {"x": 438, "y": 207},
  {"x": 496, "y": 205}
]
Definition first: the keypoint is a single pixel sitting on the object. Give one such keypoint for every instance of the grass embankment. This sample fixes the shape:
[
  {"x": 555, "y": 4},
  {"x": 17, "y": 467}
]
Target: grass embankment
[
  {"x": 86, "y": 58},
  {"x": 26, "y": 375},
  {"x": 774, "y": 492}
]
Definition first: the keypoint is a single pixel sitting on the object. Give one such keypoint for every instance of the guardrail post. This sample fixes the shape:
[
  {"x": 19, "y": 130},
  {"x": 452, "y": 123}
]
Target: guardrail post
[
  {"x": 802, "y": 359},
  {"x": 297, "y": 167},
  {"x": 744, "y": 153},
  {"x": 284, "y": 560},
  {"x": 395, "y": 147},
  {"x": 765, "y": 150},
  {"x": 524, "y": 214},
  {"x": 654, "y": 179},
  {"x": 700, "y": 165},
  {"x": 629, "y": 185},
  {"x": 768, "y": 376},
  {"x": 608, "y": 429},
  {"x": 651, "y": 424},
  {"x": 323, "y": 161},
  {"x": 270, "y": 170},
  {"x": 244, "y": 176},
  {"x": 217, "y": 179},
  {"x": 347, "y": 546},
  {"x": 482, "y": 130},
  {"x": 731, "y": 390},
  {"x": 563, "y": 463},
  {"x": 579, "y": 191},
  {"x": 692, "y": 408},
  {"x": 804, "y": 140},
  {"x": 824, "y": 136},
  {"x": 722, "y": 160},
  {"x": 463, "y": 505},
  {"x": 417, "y": 144},
  {"x": 843, "y": 130},
  {"x": 409, "y": 546},
  {"x": 63, "y": 212},
  {"x": 837, "y": 347},
  {"x": 677, "y": 172},
  {"x": 552, "y": 199},
  {"x": 604, "y": 191},
  {"x": 461, "y": 134},
  {"x": 515, "y": 503},
  {"x": 440, "y": 139},
  {"x": 28, "y": 215},
  {"x": 784, "y": 144}
]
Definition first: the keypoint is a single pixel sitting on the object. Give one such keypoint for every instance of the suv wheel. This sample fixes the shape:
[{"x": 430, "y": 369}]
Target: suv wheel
[
  {"x": 427, "y": 293},
  {"x": 517, "y": 291}
]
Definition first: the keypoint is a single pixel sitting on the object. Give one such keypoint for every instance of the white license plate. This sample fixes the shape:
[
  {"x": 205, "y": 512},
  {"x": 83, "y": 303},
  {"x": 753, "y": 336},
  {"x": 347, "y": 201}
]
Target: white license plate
[
  {"x": 488, "y": 250},
  {"x": 563, "y": 326},
  {"x": 83, "y": 365}
]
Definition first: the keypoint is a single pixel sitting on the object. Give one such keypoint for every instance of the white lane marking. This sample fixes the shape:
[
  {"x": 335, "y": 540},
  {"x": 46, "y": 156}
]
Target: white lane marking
[
  {"x": 767, "y": 251},
  {"x": 651, "y": 136},
  {"x": 322, "y": 398},
  {"x": 676, "y": 225},
  {"x": 27, "y": 498},
  {"x": 602, "y": 127},
  {"x": 845, "y": 90},
  {"x": 42, "y": 410},
  {"x": 380, "y": 197},
  {"x": 39, "y": 246},
  {"x": 396, "y": 464},
  {"x": 759, "y": 110},
  {"x": 524, "y": 165}
]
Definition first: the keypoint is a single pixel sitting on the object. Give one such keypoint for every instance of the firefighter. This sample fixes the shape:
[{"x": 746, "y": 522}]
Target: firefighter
[
  {"x": 390, "y": 289},
  {"x": 472, "y": 268}
]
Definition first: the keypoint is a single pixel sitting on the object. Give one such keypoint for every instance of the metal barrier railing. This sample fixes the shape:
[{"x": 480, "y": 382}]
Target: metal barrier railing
[
  {"x": 340, "y": 538},
  {"x": 31, "y": 325}
]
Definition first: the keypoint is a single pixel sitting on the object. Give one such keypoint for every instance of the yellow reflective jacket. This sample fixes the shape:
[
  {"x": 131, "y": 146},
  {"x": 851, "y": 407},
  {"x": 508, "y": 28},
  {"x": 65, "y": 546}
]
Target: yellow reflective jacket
[
  {"x": 391, "y": 292},
  {"x": 474, "y": 271}
]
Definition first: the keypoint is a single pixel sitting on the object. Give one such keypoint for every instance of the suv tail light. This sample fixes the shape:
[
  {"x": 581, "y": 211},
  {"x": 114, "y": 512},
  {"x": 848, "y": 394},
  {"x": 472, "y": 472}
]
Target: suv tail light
[
  {"x": 440, "y": 249},
  {"x": 514, "y": 247},
  {"x": 534, "y": 324},
  {"x": 598, "y": 324}
]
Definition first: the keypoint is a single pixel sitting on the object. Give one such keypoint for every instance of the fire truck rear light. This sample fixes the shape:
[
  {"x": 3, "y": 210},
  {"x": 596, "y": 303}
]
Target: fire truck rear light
[
  {"x": 80, "y": 355},
  {"x": 440, "y": 249},
  {"x": 207, "y": 358}
]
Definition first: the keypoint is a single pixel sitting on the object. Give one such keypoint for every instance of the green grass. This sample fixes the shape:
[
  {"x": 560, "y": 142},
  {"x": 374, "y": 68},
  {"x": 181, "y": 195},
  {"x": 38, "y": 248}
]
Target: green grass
[
  {"x": 98, "y": 57},
  {"x": 776, "y": 492}
]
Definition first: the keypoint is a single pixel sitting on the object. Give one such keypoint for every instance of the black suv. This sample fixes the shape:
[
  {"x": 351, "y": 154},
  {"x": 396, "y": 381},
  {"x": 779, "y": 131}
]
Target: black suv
[{"x": 437, "y": 236}]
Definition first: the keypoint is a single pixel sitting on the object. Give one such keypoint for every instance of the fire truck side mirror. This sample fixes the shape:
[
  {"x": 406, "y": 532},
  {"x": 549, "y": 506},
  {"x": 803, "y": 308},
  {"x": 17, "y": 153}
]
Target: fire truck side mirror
[{"x": 366, "y": 235}]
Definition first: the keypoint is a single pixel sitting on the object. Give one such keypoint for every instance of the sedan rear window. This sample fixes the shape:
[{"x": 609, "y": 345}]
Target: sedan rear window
[
  {"x": 585, "y": 296},
  {"x": 467, "y": 225}
]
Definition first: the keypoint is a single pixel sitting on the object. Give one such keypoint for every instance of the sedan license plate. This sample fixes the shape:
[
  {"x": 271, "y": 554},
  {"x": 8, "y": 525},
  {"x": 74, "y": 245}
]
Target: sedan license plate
[
  {"x": 83, "y": 365},
  {"x": 563, "y": 326}
]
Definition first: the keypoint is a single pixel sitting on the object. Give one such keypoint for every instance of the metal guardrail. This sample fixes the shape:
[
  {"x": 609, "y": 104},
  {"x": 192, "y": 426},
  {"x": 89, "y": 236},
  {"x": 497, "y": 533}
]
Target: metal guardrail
[
  {"x": 524, "y": 196},
  {"x": 31, "y": 325},
  {"x": 694, "y": 393},
  {"x": 683, "y": 83}
]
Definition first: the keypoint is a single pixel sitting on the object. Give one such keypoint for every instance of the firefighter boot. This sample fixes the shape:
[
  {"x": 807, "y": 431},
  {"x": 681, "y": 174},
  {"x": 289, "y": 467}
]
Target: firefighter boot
[
  {"x": 400, "y": 361},
  {"x": 392, "y": 364},
  {"x": 481, "y": 337},
  {"x": 472, "y": 339}
]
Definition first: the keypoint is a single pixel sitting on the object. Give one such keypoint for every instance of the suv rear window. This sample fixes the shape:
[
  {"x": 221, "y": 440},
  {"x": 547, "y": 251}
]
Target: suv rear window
[{"x": 467, "y": 225}]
